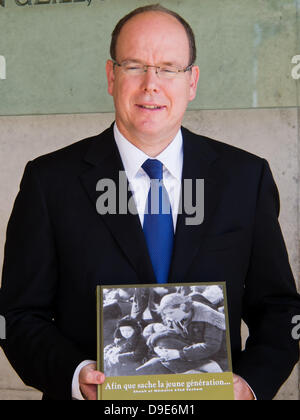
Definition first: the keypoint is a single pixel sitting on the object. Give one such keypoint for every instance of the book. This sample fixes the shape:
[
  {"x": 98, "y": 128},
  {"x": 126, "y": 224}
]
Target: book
[{"x": 164, "y": 342}]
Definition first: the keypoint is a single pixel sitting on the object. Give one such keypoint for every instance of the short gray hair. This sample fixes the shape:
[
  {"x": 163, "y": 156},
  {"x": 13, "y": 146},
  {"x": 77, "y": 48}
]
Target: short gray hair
[{"x": 154, "y": 8}]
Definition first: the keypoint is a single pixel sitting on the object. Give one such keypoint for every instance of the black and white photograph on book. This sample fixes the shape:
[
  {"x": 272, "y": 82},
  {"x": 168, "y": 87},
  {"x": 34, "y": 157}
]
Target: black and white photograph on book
[
  {"x": 158, "y": 330},
  {"x": 176, "y": 333}
]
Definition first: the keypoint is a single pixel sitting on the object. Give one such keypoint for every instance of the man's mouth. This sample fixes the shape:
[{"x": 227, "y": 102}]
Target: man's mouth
[{"x": 151, "y": 107}]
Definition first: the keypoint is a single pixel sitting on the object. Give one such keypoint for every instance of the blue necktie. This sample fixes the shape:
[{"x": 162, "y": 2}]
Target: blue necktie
[{"x": 158, "y": 222}]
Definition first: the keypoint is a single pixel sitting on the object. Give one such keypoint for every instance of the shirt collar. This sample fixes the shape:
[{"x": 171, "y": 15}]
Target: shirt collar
[{"x": 133, "y": 158}]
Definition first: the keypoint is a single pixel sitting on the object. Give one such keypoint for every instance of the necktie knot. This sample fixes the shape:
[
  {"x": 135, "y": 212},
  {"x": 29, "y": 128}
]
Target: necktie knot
[{"x": 153, "y": 168}]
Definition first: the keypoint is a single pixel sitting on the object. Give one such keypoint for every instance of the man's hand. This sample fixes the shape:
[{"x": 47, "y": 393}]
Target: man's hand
[
  {"x": 171, "y": 355},
  {"x": 242, "y": 392},
  {"x": 89, "y": 378}
]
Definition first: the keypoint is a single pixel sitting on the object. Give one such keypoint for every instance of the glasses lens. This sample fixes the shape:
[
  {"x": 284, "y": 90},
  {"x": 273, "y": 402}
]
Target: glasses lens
[
  {"x": 168, "y": 72},
  {"x": 132, "y": 68}
]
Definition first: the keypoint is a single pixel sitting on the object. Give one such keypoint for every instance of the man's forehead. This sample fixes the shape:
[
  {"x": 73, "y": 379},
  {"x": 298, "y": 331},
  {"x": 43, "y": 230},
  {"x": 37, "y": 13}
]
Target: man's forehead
[
  {"x": 172, "y": 307},
  {"x": 152, "y": 18},
  {"x": 153, "y": 32}
]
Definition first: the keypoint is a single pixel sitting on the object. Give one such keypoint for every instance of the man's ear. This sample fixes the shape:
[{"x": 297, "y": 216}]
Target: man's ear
[
  {"x": 183, "y": 307},
  {"x": 110, "y": 74},
  {"x": 194, "y": 79}
]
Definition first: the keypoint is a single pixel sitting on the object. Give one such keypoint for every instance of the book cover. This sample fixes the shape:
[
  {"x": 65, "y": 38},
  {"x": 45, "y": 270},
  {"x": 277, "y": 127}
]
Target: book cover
[{"x": 166, "y": 342}]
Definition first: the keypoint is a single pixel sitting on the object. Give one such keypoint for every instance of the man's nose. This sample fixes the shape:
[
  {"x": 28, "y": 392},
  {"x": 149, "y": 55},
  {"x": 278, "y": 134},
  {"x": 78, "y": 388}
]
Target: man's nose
[{"x": 150, "y": 81}]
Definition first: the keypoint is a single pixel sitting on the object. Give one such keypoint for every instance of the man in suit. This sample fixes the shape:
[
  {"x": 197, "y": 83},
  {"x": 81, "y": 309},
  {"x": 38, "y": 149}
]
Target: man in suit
[{"x": 59, "y": 247}]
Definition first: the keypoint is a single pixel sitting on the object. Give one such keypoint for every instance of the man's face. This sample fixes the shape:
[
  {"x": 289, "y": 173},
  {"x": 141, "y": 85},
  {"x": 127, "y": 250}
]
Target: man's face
[
  {"x": 151, "y": 38},
  {"x": 174, "y": 313}
]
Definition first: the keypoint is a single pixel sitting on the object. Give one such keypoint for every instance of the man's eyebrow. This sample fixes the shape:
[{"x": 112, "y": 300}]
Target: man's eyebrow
[
  {"x": 165, "y": 63},
  {"x": 132, "y": 60},
  {"x": 169, "y": 63}
]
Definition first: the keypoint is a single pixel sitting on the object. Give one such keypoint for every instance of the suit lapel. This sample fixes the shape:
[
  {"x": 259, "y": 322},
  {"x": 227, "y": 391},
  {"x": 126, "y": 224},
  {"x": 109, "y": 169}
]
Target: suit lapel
[
  {"x": 199, "y": 159},
  {"x": 106, "y": 163}
]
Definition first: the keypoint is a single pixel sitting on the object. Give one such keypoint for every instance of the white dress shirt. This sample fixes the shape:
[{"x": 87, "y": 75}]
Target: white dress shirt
[{"x": 139, "y": 182}]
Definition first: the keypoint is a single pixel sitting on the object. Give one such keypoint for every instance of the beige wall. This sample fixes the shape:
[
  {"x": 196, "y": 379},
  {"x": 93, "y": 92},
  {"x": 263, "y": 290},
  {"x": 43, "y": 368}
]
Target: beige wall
[{"x": 270, "y": 133}]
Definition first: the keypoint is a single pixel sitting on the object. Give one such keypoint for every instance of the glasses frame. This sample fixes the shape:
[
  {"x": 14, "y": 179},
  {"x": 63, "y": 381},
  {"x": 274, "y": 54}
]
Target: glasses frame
[{"x": 157, "y": 68}]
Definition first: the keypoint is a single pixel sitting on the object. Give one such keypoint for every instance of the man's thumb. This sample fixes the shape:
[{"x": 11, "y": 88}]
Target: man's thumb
[{"x": 94, "y": 377}]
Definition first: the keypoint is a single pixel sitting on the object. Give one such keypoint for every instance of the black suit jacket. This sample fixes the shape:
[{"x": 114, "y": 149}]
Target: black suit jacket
[{"x": 59, "y": 248}]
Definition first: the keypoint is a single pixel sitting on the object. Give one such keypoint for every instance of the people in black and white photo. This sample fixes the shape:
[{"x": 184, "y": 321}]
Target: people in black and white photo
[
  {"x": 190, "y": 337},
  {"x": 128, "y": 350}
]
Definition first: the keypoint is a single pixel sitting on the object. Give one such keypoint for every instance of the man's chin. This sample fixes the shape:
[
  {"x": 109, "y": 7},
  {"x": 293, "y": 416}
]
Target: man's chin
[{"x": 154, "y": 132}]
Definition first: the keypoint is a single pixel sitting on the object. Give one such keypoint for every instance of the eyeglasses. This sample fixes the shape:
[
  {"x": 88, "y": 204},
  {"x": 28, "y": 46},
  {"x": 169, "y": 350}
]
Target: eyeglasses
[{"x": 132, "y": 68}]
